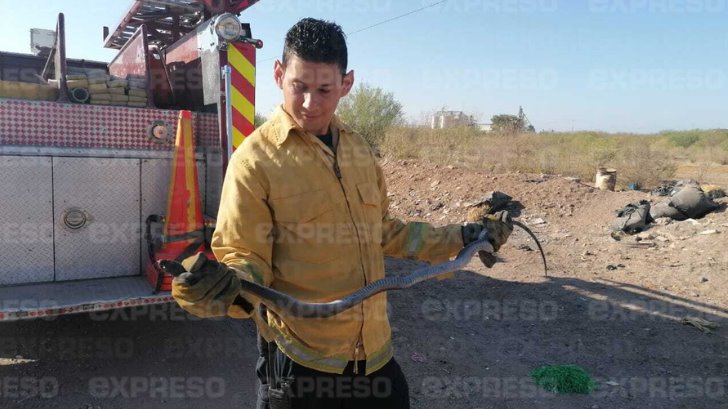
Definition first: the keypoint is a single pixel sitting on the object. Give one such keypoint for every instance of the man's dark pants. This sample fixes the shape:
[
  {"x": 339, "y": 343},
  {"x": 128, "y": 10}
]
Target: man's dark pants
[{"x": 307, "y": 388}]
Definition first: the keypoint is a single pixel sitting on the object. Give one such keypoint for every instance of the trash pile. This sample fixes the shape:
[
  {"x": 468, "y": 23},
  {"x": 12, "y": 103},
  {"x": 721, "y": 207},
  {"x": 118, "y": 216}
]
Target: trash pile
[
  {"x": 686, "y": 199},
  {"x": 633, "y": 218}
]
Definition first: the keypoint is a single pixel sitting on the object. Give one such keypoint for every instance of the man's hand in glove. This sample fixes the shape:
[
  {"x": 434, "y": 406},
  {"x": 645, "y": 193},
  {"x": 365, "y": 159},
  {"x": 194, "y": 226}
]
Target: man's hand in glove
[
  {"x": 210, "y": 289},
  {"x": 499, "y": 226}
]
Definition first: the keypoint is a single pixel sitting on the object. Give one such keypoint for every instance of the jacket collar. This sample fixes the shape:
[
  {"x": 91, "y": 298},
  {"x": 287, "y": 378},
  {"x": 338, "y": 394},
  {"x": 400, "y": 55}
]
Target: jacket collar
[{"x": 286, "y": 125}]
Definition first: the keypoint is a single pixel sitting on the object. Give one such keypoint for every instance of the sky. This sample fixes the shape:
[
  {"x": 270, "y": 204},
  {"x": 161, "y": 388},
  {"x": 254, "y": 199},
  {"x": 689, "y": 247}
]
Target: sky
[{"x": 608, "y": 65}]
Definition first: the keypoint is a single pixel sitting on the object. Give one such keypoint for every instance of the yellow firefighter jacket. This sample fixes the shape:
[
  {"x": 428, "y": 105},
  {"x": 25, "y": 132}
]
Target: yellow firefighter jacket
[{"x": 314, "y": 225}]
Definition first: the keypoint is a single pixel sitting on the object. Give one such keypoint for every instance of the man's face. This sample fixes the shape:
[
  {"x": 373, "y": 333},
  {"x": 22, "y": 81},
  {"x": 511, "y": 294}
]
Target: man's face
[{"x": 311, "y": 91}]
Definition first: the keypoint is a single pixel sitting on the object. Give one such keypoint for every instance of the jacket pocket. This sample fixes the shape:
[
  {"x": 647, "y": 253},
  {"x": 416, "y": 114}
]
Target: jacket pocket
[
  {"x": 301, "y": 208},
  {"x": 371, "y": 206},
  {"x": 304, "y": 227},
  {"x": 369, "y": 194}
]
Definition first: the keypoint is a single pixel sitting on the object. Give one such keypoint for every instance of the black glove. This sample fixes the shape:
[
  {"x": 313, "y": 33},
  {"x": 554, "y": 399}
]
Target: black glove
[
  {"x": 209, "y": 289},
  {"x": 499, "y": 227}
]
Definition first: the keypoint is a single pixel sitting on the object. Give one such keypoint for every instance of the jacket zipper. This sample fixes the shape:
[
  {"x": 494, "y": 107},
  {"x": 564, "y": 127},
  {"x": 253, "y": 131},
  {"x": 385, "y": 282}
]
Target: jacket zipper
[{"x": 337, "y": 171}]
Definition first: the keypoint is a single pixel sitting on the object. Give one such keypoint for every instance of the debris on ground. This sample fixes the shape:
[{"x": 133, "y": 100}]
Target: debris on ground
[
  {"x": 713, "y": 191},
  {"x": 633, "y": 218},
  {"x": 687, "y": 201},
  {"x": 418, "y": 357},
  {"x": 700, "y": 323}
]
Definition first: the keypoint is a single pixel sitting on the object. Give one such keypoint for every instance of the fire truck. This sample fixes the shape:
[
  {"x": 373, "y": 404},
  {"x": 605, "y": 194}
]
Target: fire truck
[{"x": 108, "y": 167}]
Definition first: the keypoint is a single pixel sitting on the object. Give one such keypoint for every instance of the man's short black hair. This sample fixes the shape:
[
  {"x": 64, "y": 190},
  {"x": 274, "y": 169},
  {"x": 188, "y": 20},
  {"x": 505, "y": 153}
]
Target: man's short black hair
[{"x": 317, "y": 41}]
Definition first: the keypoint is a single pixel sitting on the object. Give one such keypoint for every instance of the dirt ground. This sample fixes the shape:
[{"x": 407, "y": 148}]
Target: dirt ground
[{"x": 611, "y": 307}]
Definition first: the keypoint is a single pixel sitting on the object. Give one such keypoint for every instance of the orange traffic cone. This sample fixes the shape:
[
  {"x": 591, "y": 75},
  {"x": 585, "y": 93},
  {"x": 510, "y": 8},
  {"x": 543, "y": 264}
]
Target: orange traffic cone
[{"x": 184, "y": 233}]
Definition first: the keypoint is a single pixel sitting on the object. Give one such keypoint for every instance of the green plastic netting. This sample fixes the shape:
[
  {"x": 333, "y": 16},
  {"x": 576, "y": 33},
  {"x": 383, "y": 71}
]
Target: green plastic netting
[{"x": 564, "y": 379}]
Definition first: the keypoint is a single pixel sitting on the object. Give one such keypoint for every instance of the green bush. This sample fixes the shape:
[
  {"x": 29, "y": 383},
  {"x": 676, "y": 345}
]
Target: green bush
[
  {"x": 682, "y": 139},
  {"x": 370, "y": 111}
]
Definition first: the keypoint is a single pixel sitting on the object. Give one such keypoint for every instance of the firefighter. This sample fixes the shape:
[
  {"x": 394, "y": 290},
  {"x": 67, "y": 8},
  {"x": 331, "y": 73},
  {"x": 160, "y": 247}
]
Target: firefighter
[{"x": 303, "y": 209}]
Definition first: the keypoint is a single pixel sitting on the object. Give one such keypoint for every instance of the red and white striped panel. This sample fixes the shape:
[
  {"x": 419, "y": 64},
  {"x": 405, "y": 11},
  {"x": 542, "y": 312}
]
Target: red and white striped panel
[
  {"x": 100, "y": 306},
  {"x": 41, "y": 123}
]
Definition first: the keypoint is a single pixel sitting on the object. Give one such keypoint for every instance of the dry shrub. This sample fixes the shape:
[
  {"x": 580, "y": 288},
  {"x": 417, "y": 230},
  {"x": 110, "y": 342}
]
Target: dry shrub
[
  {"x": 403, "y": 143},
  {"x": 705, "y": 147},
  {"x": 638, "y": 158},
  {"x": 452, "y": 146},
  {"x": 639, "y": 163}
]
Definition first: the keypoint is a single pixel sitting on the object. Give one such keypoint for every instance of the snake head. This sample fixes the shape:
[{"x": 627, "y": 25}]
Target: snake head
[{"x": 172, "y": 267}]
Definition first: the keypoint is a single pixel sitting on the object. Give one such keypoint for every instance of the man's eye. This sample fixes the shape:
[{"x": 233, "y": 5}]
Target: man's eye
[{"x": 324, "y": 91}]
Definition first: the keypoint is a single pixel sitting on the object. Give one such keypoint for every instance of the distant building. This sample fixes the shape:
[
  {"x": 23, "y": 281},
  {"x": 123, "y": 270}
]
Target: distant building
[
  {"x": 485, "y": 127},
  {"x": 451, "y": 119}
]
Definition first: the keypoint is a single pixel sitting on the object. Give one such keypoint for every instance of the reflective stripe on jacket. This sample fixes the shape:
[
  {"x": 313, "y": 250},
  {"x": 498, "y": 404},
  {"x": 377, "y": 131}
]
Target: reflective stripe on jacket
[{"x": 316, "y": 227}]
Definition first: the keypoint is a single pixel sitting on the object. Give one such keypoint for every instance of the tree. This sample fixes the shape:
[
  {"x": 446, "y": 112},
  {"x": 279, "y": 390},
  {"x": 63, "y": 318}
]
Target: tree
[
  {"x": 259, "y": 120},
  {"x": 511, "y": 124},
  {"x": 370, "y": 111},
  {"x": 506, "y": 124}
]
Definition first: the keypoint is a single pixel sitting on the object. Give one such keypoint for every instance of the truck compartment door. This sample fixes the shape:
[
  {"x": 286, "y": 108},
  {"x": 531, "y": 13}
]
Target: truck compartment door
[{"x": 96, "y": 207}]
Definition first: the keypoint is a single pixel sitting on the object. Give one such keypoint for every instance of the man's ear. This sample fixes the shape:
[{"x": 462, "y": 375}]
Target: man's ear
[
  {"x": 347, "y": 83},
  {"x": 278, "y": 71}
]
